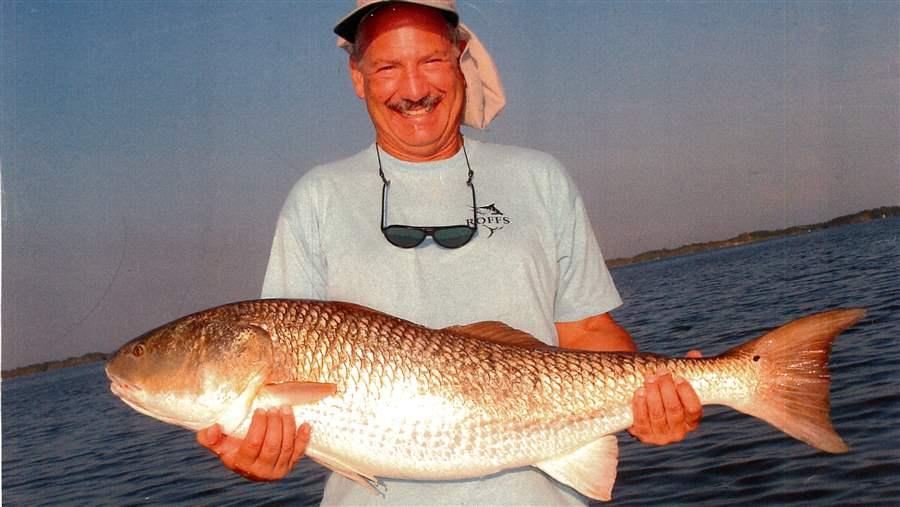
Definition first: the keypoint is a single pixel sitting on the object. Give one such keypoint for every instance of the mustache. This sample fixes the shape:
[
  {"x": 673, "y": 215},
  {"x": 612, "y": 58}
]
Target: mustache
[{"x": 405, "y": 105}]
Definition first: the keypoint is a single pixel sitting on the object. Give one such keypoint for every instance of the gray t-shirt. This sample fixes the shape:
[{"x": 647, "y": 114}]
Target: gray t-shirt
[{"x": 534, "y": 261}]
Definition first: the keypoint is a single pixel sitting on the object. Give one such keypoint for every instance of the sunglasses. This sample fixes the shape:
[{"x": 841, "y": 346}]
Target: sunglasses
[{"x": 411, "y": 236}]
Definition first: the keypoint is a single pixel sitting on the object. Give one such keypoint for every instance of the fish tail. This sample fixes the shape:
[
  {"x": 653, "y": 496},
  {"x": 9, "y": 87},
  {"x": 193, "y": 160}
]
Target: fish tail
[{"x": 792, "y": 387}]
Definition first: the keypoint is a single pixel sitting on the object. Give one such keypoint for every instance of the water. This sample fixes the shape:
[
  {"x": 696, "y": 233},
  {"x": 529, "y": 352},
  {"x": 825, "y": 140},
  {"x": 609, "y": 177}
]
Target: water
[
  {"x": 67, "y": 440},
  {"x": 718, "y": 299}
]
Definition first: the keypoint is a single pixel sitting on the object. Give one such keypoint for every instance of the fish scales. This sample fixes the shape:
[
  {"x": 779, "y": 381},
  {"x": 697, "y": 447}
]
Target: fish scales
[
  {"x": 418, "y": 403},
  {"x": 491, "y": 400},
  {"x": 483, "y": 393},
  {"x": 492, "y": 393}
]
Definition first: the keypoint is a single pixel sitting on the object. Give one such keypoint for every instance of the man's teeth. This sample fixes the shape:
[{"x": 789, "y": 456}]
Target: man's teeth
[{"x": 417, "y": 112}]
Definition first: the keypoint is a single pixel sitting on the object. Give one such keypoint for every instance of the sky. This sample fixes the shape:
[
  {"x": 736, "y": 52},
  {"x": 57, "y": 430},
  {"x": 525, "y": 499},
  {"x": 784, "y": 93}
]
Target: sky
[{"x": 146, "y": 147}]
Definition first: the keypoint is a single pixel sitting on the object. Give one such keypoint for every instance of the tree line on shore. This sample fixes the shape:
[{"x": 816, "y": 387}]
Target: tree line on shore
[
  {"x": 91, "y": 357},
  {"x": 751, "y": 237}
]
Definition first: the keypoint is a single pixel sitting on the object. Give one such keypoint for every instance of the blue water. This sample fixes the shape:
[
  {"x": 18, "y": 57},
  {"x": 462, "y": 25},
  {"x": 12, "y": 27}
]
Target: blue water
[{"x": 67, "y": 440}]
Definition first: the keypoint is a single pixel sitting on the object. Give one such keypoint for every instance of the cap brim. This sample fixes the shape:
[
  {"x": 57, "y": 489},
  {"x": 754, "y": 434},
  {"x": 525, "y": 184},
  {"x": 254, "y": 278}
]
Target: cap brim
[{"x": 347, "y": 27}]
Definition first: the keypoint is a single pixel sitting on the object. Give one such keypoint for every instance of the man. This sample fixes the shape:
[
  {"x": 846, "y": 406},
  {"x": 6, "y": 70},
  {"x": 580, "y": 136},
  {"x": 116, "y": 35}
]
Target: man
[{"x": 421, "y": 74}]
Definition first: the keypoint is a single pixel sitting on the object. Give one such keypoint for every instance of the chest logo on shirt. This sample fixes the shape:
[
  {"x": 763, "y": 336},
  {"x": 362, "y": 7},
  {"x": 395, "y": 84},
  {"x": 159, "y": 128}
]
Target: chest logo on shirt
[{"x": 491, "y": 218}]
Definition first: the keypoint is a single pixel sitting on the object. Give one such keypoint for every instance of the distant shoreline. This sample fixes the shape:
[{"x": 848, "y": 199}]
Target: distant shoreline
[
  {"x": 90, "y": 357},
  {"x": 755, "y": 236},
  {"x": 653, "y": 255}
]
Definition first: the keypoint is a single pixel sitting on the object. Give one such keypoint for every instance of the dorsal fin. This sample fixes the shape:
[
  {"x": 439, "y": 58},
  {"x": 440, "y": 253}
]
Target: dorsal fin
[
  {"x": 356, "y": 307},
  {"x": 498, "y": 332}
]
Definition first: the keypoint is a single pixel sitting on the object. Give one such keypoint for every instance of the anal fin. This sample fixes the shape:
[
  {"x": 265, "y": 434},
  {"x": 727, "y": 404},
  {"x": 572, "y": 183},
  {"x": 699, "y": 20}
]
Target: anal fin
[{"x": 591, "y": 470}]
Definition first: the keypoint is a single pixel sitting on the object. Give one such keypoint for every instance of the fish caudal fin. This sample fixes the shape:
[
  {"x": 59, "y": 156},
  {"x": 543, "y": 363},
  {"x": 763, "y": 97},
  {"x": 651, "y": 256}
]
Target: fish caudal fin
[
  {"x": 591, "y": 470},
  {"x": 793, "y": 383}
]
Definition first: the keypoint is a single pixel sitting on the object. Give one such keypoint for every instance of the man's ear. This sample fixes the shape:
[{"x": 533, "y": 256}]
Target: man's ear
[{"x": 356, "y": 76}]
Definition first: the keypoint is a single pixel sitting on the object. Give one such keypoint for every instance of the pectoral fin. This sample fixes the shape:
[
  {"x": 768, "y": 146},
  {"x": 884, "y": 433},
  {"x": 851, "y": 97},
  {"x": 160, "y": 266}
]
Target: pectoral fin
[
  {"x": 297, "y": 393},
  {"x": 591, "y": 470}
]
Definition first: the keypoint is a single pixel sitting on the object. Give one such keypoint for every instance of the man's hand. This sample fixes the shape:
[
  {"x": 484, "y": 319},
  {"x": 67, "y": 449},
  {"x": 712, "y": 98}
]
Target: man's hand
[
  {"x": 271, "y": 448},
  {"x": 665, "y": 409}
]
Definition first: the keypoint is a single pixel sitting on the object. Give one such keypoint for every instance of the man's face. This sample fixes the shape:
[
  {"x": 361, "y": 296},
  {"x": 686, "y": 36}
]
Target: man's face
[{"x": 408, "y": 74}]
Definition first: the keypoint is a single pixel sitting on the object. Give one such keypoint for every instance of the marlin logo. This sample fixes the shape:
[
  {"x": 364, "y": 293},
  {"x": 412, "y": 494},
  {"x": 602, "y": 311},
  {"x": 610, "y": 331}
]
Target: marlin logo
[
  {"x": 491, "y": 218},
  {"x": 489, "y": 208}
]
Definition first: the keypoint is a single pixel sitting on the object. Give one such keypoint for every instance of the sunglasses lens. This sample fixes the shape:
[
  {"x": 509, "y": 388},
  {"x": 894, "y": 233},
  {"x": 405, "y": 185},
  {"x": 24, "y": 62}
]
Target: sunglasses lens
[
  {"x": 403, "y": 237},
  {"x": 453, "y": 237}
]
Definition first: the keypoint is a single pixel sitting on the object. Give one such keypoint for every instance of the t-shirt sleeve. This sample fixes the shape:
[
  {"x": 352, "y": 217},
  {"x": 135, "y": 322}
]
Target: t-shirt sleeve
[
  {"x": 585, "y": 286},
  {"x": 296, "y": 266}
]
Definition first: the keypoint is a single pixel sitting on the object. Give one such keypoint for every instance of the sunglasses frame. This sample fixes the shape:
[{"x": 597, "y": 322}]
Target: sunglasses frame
[{"x": 433, "y": 231}]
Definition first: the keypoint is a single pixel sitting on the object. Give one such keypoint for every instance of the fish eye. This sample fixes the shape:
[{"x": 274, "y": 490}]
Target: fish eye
[{"x": 137, "y": 350}]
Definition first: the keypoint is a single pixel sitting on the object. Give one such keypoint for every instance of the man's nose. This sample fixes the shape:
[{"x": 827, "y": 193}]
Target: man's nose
[{"x": 414, "y": 85}]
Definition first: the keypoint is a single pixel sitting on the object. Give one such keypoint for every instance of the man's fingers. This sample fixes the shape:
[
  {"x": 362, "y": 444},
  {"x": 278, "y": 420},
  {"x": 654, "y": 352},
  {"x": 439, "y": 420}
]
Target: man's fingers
[
  {"x": 641, "y": 417},
  {"x": 218, "y": 442},
  {"x": 655, "y": 407},
  {"x": 287, "y": 441},
  {"x": 271, "y": 449},
  {"x": 665, "y": 409},
  {"x": 300, "y": 443},
  {"x": 671, "y": 402},
  {"x": 210, "y": 437},
  {"x": 693, "y": 408},
  {"x": 253, "y": 442}
]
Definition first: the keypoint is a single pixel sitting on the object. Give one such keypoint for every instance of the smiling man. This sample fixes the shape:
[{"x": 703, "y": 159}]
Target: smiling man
[
  {"x": 407, "y": 70},
  {"x": 422, "y": 74}
]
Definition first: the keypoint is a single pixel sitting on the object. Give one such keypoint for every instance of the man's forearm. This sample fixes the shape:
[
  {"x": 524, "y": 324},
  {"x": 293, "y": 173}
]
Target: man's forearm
[{"x": 599, "y": 333}]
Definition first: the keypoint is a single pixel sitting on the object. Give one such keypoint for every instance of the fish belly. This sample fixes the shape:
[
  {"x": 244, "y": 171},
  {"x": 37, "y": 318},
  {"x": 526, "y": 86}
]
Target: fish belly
[{"x": 426, "y": 439}]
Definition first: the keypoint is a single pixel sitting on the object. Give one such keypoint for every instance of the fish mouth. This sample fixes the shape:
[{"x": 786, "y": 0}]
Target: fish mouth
[
  {"x": 120, "y": 387},
  {"x": 131, "y": 395},
  {"x": 125, "y": 391},
  {"x": 128, "y": 394}
]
